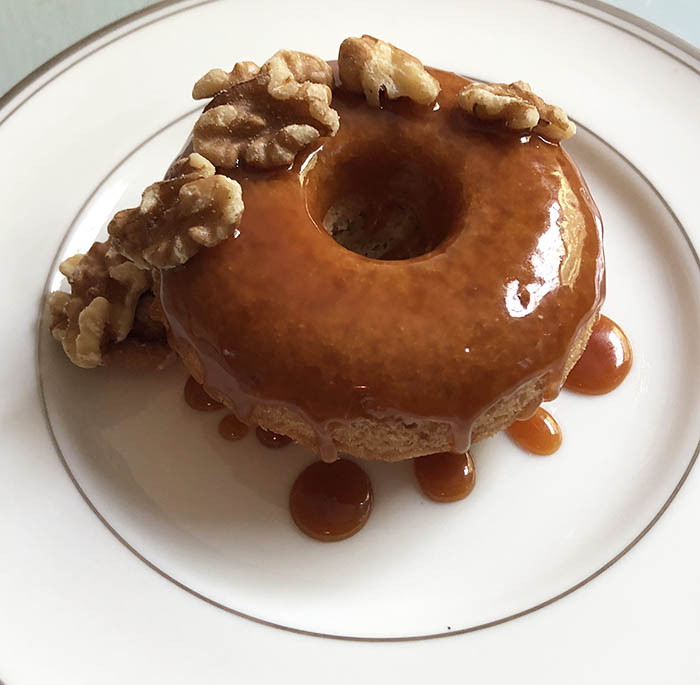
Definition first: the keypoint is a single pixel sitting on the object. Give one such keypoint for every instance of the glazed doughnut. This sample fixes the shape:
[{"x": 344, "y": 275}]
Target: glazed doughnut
[
  {"x": 372, "y": 258},
  {"x": 409, "y": 285}
]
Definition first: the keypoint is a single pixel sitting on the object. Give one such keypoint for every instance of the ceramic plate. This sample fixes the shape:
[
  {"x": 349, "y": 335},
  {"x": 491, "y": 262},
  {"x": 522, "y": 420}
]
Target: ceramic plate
[{"x": 139, "y": 546}]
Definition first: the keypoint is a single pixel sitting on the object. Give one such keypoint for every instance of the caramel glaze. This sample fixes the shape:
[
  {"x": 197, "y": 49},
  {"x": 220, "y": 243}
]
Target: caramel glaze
[
  {"x": 331, "y": 502},
  {"x": 605, "y": 362},
  {"x": 540, "y": 434},
  {"x": 446, "y": 476},
  {"x": 283, "y": 315},
  {"x": 196, "y": 396},
  {"x": 270, "y": 439},
  {"x": 230, "y": 428}
]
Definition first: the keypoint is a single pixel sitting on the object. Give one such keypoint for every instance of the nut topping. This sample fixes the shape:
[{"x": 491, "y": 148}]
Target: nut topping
[
  {"x": 105, "y": 291},
  {"x": 371, "y": 66},
  {"x": 518, "y": 107},
  {"x": 267, "y": 120},
  {"x": 216, "y": 80},
  {"x": 177, "y": 217}
]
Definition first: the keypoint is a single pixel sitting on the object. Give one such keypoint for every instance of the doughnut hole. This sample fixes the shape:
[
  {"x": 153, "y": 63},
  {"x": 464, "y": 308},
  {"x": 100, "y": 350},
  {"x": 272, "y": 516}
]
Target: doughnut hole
[{"x": 383, "y": 201}]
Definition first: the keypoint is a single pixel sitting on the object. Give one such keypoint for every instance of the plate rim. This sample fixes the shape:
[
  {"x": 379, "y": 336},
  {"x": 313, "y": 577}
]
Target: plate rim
[
  {"x": 596, "y": 5},
  {"x": 272, "y": 624}
]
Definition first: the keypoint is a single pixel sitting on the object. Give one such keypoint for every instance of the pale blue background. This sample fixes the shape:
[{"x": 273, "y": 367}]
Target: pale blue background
[{"x": 32, "y": 31}]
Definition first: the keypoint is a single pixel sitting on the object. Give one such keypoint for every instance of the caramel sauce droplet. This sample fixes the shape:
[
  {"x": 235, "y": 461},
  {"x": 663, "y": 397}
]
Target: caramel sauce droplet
[
  {"x": 231, "y": 428},
  {"x": 270, "y": 439},
  {"x": 605, "y": 362},
  {"x": 331, "y": 502},
  {"x": 540, "y": 434},
  {"x": 445, "y": 476},
  {"x": 196, "y": 396}
]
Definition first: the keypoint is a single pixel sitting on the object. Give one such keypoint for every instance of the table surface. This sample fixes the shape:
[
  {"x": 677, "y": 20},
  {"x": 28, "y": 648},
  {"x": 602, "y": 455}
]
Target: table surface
[{"x": 32, "y": 31}]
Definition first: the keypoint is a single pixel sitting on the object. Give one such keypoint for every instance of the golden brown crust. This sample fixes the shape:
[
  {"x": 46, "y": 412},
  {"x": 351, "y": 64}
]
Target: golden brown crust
[{"x": 373, "y": 67}]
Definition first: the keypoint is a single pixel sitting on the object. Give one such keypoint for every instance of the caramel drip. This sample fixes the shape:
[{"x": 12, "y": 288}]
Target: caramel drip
[
  {"x": 230, "y": 428},
  {"x": 540, "y": 434},
  {"x": 270, "y": 439},
  {"x": 283, "y": 316},
  {"x": 196, "y": 396},
  {"x": 445, "y": 476},
  {"x": 331, "y": 502},
  {"x": 605, "y": 362}
]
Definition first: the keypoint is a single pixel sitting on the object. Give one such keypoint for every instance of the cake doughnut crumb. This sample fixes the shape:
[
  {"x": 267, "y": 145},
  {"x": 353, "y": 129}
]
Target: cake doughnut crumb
[
  {"x": 194, "y": 208},
  {"x": 517, "y": 107},
  {"x": 371, "y": 66}
]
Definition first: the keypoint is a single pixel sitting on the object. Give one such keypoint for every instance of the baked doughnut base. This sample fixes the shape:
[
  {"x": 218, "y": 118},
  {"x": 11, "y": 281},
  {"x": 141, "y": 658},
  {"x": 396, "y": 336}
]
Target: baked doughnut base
[{"x": 392, "y": 439}]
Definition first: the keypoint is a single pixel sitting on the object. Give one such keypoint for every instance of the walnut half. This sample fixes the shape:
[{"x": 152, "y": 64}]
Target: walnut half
[
  {"x": 518, "y": 107},
  {"x": 100, "y": 309},
  {"x": 177, "y": 217},
  {"x": 216, "y": 80},
  {"x": 371, "y": 66},
  {"x": 266, "y": 120}
]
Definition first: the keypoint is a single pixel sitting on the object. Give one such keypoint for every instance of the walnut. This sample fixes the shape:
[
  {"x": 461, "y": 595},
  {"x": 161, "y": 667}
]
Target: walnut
[
  {"x": 518, "y": 107},
  {"x": 177, "y": 217},
  {"x": 134, "y": 283},
  {"x": 267, "y": 120},
  {"x": 216, "y": 80},
  {"x": 288, "y": 68},
  {"x": 372, "y": 67},
  {"x": 100, "y": 309}
]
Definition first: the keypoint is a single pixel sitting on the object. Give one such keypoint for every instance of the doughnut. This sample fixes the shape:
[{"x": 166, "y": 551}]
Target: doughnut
[
  {"x": 477, "y": 315},
  {"x": 372, "y": 257}
]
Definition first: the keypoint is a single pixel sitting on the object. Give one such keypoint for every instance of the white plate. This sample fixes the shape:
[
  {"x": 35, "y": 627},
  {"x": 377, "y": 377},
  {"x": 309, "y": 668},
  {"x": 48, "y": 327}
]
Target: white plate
[{"x": 82, "y": 605}]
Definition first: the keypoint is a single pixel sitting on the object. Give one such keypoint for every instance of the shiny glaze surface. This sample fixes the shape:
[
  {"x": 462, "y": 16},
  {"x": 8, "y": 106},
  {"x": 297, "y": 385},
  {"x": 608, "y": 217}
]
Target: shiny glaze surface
[
  {"x": 270, "y": 439},
  {"x": 196, "y": 396},
  {"x": 605, "y": 362},
  {"x": 331, "y": 502},
  {"x": 283, "y": 314},
  {"x": 230, "y": 428},
  {"x": 445, "y": 476},
  {"x": 540, "y": 434}
]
